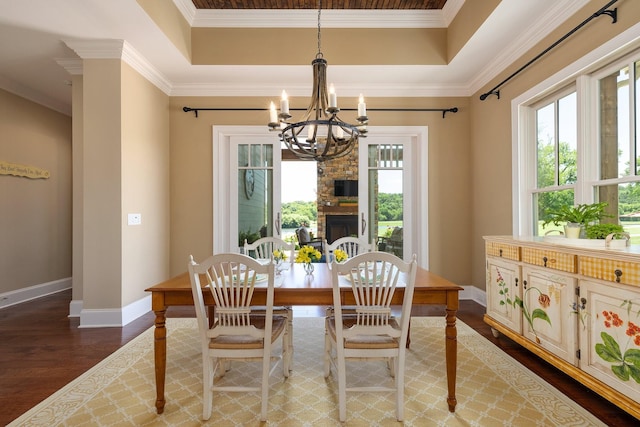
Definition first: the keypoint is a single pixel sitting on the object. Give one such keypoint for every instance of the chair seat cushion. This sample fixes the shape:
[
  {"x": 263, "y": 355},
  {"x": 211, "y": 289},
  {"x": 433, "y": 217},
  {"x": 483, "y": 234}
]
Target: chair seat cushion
[
  {"x": 247, "y": 341},
  {"x": 362, "y": 340}
]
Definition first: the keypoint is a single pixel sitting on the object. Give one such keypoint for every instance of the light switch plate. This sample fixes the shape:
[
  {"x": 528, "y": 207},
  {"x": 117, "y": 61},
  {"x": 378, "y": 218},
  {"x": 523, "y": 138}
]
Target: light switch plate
[{"x": 134, "y": 219}]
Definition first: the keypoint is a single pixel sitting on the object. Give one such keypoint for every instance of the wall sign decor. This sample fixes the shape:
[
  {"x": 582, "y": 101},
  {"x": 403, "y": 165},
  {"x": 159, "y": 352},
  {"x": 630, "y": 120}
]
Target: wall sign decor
[
  {"x": 25, "y": 171},
  {"x": 249, "y": 182}
]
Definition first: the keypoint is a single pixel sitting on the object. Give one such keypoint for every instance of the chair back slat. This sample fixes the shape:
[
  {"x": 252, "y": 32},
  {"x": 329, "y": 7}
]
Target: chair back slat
[
  {"x": 352, "y": 246},
  {"x": 374, "y": 278},
  {"x": 263, "y": 248},
  {"x": 231, "y": 279}
]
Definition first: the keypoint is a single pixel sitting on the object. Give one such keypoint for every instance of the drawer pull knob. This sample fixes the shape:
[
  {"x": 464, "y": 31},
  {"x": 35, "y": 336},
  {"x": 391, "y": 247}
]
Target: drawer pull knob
[
  {"x": 500, "y": 253},
  {"x": 618, "y": 274},
  {"x": 544, "y": 260}
]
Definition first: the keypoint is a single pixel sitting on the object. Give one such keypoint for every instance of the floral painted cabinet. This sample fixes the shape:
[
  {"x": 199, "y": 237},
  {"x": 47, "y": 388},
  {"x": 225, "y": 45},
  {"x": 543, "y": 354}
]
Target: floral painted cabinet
[
  {"x": 609, "y": 334},
  {"x": 547, "y": 306},
  {"x": 503, "y": 289}
]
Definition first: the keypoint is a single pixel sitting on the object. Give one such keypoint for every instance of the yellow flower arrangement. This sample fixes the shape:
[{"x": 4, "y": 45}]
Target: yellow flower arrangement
[
  {"x": 279, "y": 254},
  {"x": 308, "y": 254},
  {"x": 340, "y": 255}
]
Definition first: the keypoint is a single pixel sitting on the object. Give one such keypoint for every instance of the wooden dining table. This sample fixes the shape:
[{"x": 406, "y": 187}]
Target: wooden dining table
[{"x": 299, "y": 289}]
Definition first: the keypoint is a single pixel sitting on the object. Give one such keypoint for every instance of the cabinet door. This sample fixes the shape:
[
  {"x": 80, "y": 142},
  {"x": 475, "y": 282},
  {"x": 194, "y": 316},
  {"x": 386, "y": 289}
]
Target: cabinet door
[
  {"x": 503, "y": 287},
  {"x": 548, "y": 299},
  {"x": 610, "y": 335}
]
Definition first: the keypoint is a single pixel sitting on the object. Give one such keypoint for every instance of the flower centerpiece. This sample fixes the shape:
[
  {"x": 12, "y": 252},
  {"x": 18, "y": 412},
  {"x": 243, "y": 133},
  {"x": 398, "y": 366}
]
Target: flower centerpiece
[
  {"x": 279, "y": 256},
  {"x": 307, "y": 255},
  {"x": 340, "y": 255}
]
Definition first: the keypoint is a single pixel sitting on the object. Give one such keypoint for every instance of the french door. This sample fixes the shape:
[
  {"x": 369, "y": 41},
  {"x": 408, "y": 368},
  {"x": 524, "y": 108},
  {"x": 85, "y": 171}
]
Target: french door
[
  {"x": 393, "y": 197},
  {"x": 247, "y": 186}
]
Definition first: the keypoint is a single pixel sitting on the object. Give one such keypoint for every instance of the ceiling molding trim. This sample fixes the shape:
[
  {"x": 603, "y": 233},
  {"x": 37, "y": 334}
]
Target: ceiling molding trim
[
  {"x": 554, "y": 16},
  {"x": 308, "y": 18},
  {"x": 96, "y": 49},
  {"x": 120, "y": 49},
  {"x": 381, "y": 91},
  {"x": 187, "y": 9},
  {"x": 450, "y": 10},
  {"x": 73, "y": 66},
  {"x": 144, "y": 67},
  {"x": 32, "y": 95}
]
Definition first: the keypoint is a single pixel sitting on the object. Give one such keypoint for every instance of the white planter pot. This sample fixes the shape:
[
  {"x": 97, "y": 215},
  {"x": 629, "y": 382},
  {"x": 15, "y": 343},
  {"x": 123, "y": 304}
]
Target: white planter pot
[{"x": 572, "y": 230}]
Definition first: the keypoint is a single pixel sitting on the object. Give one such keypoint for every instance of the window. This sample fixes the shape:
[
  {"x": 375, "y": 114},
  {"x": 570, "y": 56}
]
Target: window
[
  {"x": 556, "y": 157},
  {"x": 579, "y": 144}
]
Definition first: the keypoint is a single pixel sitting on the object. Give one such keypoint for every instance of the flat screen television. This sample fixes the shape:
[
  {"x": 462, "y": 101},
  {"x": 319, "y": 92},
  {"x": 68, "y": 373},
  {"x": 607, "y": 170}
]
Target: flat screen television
[{"x": 345, "y": 188}]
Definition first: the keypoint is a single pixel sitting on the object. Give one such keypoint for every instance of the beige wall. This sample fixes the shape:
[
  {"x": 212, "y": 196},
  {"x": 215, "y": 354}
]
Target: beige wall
[
  {"x": 490, "y": 139},
  {"x": 143, "y": 154},
  {"x": 145, "y": 189},
  {"x": 35, "y": 214},
  {"x": 126, "y": 170},
  {"x": 449, "y": 160}
]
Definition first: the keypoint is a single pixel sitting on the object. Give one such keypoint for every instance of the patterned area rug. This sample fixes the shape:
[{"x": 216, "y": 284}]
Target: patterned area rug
[{"x": 492, "y": 388}]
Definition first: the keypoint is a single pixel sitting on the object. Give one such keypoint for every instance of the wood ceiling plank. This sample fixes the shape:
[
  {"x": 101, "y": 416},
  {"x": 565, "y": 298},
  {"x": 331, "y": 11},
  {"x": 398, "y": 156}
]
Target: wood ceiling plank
[{"x": 326, "y": 4}]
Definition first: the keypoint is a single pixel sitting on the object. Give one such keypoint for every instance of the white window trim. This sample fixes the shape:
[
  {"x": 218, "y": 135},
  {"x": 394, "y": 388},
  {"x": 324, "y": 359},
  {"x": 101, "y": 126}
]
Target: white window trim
[{"x": 522, "y": 121}]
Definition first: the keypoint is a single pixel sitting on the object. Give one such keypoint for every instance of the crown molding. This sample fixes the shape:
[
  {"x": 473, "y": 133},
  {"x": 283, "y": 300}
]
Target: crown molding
[
  {"x": 120, "y": 49},
  {"x": 554, "y": 16},
  {"x": 73, "y": 66},
  {"x": 299, "y": 18},
  {"x": 450, "y": 10}
]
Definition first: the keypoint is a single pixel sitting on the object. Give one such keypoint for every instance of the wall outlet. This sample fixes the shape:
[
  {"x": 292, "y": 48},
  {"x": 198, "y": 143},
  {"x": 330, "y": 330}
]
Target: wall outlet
[{"x": 134, "y": 219}]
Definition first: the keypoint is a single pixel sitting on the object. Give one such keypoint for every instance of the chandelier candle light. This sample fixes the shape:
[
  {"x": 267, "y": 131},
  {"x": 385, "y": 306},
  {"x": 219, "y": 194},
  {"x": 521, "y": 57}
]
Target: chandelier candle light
[{"x": 320, "y": 134}]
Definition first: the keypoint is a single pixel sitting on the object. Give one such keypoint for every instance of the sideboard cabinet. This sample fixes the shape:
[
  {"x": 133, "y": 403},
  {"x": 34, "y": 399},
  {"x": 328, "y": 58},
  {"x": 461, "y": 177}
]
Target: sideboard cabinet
[{"x": 577, "y": 308}]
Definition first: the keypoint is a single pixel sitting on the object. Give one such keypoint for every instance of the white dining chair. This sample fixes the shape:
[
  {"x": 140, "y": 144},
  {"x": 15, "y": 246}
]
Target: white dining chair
[
  {"x": 369, "y": 330},
  {"x": 262, "y": 249},
  {"x": 352, "y": 246},
  {"x": 236, "y": 333}
]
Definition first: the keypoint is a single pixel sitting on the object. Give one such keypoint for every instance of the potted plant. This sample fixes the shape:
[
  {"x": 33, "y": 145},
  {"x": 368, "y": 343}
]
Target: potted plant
[
  {"x": 576, "y": 218},
  {"x": 613, "y": 234}
]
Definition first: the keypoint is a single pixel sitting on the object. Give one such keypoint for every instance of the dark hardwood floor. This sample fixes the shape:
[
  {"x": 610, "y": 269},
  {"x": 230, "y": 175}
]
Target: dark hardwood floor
[{"x": 42, "y": 350}]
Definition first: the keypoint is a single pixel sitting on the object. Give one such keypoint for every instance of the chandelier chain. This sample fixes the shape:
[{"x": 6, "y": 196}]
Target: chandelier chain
[{"x": 319, "y": 54}]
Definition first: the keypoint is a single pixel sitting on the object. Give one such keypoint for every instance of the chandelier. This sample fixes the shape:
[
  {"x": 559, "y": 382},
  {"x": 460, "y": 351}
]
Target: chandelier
[{"x": 320, "y": 134}]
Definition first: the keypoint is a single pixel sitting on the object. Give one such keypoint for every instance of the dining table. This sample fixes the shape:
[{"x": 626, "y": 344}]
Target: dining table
[{"x": 297, "y": 288}]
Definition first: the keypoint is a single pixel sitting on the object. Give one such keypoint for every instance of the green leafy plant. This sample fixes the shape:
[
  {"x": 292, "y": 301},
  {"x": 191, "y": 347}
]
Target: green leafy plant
[
  {"x": 580, "y": 214},
  {"x": 601, "y": 231},
  {"x": 250, "y": 236}
]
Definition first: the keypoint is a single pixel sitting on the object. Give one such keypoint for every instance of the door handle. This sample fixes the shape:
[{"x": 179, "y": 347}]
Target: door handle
[
  {"x": 278, "y": 223},
  {"x": 364, "y": 224}
]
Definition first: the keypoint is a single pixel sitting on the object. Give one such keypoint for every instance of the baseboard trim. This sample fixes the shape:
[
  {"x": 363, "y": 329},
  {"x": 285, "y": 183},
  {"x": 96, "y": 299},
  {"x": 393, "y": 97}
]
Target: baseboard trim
[
  {"x": 75, "y": 308},
  {"x": 18, "y": 296},
  {"x": 114, "y": 317},
  {"x": 474, "y": 294}
]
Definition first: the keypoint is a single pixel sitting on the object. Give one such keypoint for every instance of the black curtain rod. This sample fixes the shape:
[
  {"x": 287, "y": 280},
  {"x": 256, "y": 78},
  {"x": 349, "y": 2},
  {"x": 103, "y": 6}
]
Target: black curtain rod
[
  {"x": 603, "y": 11},
  {"x": 444, "y": 110}
]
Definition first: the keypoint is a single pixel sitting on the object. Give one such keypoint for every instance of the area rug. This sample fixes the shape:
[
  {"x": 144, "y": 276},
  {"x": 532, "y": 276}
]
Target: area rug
[{"x": 492, "y": 388}]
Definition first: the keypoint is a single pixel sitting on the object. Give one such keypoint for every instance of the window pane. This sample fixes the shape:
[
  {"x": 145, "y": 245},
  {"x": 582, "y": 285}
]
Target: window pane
[
  {"x": 614, "y": 125},
  {"x": 549, "y": 201},
  {"x": 567, "y": 140},
  {"x": 624, "y": 207},
  {"x": 545, "y": 129},
  {"x": 637, "y": 120}
]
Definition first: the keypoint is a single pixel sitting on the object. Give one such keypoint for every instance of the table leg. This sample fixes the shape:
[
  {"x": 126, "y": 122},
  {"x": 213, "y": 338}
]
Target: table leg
[
  {"x": 160, "y": 355},
  {"x": 451, "y": 349}
]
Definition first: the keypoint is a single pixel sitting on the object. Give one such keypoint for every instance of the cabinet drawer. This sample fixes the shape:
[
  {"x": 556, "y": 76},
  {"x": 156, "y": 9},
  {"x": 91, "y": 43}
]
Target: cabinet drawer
[
  {"x": 550, "y": 259},
  {"x": 611, "y": 270},
  {"x": 503, "y": 250}
]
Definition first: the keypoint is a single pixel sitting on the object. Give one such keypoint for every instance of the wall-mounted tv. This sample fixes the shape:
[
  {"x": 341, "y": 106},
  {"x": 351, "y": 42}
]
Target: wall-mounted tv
[{"x": 345, "y": 188}]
